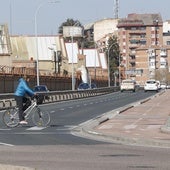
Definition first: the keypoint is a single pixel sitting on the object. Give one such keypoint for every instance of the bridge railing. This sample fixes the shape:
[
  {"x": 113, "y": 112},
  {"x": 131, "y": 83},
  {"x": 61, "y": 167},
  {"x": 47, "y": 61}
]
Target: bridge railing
[{"x": 7, "y": 99}]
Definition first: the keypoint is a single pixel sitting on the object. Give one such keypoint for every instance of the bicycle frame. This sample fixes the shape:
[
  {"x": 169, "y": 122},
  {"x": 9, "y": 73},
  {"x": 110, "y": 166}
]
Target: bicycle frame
[{"x": 30, "y": 108}]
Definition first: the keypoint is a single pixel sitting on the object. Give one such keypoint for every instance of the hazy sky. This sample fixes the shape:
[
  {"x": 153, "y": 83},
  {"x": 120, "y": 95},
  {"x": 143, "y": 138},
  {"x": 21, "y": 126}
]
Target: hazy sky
[{"x": 21, "y": 13}]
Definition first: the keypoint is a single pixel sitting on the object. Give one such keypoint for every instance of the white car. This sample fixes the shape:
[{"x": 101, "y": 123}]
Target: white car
[
  {"x": 151, "y": 85},
  {"x": 128, "y": 85},
  {"x": 163, "y": 86}
]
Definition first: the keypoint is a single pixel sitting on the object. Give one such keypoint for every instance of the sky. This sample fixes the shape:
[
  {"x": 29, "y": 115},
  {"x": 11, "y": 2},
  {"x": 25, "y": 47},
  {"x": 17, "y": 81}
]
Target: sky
[{"x": 20, "y": 14}]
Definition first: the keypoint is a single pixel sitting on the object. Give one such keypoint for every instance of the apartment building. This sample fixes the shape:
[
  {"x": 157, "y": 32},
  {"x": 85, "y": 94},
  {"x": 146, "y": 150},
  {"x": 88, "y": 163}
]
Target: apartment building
[{"x": 144, "y": 54}]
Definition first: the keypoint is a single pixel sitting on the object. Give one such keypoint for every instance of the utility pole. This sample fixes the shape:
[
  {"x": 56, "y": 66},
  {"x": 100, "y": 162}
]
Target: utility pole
[{"x": 116, "y": 9}]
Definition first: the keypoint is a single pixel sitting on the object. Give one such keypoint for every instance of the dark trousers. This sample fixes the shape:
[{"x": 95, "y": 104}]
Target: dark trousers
[{"x": 22, "y": 103}]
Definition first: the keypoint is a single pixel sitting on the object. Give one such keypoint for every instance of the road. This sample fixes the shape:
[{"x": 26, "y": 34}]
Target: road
[
  {"x": 55, "y": 146},
  {"x": 65, "y": 116}
]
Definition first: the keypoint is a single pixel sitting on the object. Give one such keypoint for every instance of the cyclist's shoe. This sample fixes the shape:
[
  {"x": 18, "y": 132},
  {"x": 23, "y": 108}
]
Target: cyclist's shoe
[{"x": 23, "y": 122}]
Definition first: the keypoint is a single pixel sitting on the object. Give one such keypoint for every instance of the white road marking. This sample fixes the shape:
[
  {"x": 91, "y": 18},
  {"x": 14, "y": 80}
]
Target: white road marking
[
  {"x": 36, "y": 128},
  {"x": 66, "y": 127},
  {"x": 52, "y": 111},
  {"x": 5, "y": 129},
  {"x": 6, "y": 144},
  {"x": 130, "y": 126}
]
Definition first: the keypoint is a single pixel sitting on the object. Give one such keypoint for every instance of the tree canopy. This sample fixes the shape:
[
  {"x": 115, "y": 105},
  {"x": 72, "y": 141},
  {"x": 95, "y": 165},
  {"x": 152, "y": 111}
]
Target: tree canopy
[
  {"x": 69, "y": 22},
  {"x": 113, "y": 51}
]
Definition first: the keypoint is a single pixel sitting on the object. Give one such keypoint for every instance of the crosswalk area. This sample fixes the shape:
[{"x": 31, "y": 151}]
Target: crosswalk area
[{"x": 41, "y": 130}]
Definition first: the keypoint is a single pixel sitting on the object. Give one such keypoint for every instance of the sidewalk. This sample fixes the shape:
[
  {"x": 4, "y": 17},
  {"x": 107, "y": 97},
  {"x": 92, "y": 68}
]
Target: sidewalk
[{"x": 144, "y": 123}]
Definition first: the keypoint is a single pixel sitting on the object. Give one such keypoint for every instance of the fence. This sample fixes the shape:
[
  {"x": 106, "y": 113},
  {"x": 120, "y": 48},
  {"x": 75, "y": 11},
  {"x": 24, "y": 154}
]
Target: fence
[{"x": 7, "y": 100}]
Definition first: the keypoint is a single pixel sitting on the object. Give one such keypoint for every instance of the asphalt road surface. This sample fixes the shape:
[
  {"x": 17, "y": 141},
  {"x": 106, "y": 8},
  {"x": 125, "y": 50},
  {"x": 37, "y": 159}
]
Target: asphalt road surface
[{"x": 55, "y": 147}]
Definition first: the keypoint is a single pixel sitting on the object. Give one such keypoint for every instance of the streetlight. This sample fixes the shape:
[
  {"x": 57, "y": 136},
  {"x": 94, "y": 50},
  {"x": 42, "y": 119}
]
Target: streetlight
[
  {"x": 72, "y": 72},
  {"x": 96, "y": 46},
  {"x": 72, "y": 31},
  {"x": 36, "y": 37},
  {"x": 72, "y": 65}
]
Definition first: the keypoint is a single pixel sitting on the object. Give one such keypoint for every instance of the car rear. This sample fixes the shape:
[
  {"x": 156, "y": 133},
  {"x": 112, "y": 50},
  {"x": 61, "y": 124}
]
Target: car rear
[
  {"x": 128, "y": 85},
  {"x": 41, "y": 89},
  {"x": 151, "y": 85}
]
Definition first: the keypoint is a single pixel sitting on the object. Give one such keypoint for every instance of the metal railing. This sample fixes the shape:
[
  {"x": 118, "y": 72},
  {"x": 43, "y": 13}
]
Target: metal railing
[{"x": 7, "y": 99}]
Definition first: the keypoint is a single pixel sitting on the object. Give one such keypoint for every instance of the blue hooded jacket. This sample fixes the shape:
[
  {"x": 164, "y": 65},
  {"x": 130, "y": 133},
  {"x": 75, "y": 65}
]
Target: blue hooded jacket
[{"x": 23, "y": 89}]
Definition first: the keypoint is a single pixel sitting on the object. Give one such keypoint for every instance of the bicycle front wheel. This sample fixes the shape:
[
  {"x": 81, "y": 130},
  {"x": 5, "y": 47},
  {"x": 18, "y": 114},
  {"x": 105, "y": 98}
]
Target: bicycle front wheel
[
  {"x": 10, "y": 117},
  {"x": 41, "y": 118}
]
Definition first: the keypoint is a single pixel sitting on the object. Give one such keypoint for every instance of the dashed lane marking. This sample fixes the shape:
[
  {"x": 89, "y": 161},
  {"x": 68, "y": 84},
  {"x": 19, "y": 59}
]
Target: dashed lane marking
[
  {"x": 52, "y": 111},
  {"x": 36, "y": 128},
  {"x": 5, "y": 129},
  {"x": 66, "y": 128},
  {"x": 6, "y": 144}
]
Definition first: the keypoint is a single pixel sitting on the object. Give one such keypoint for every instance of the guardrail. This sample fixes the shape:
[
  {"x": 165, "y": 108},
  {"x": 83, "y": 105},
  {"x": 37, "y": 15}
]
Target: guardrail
[{"x": 7, "y": 100}]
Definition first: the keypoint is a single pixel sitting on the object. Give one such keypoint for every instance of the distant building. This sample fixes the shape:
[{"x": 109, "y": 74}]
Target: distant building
[
  {"x": 142, "y": 47},
  {"x": 55, "y": 56},
  {"x": 166, "y": 32},
  {"x": 5, "y": 45},
  {"x": 24, "y": 52},
  {"x": 105, "y": 27}
]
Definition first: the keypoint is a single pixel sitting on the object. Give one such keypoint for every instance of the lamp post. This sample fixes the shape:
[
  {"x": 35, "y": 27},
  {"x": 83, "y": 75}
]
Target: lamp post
[
  {"x": 71, "y": 32},
  {"x": 36, "y": 37},
  {"x": 95, "y": 59},
  {"x": 72, "y": 65},
  {"x": 72, "y": 58}
]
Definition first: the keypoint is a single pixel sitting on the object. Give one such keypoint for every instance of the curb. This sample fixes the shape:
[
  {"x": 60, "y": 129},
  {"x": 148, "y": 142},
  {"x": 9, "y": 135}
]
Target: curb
[
  {"x": 87, "y": 129},
  {"x": 11, "y": 167}
]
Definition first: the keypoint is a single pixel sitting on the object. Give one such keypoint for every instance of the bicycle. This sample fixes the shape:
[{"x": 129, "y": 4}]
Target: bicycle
[{"x": 39, "y": 118}]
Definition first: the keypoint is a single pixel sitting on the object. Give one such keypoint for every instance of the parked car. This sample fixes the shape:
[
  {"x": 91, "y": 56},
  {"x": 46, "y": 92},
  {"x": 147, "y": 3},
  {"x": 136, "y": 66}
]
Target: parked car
[
  {"x": 163, "y": 85},
  {"x": 151, "y": 85},
  {"x": 83, "y": 86},
  {"x": 168, "y": 86},
  {"x": 41, "y": 97},
  {"x": 128, "y": 85}
]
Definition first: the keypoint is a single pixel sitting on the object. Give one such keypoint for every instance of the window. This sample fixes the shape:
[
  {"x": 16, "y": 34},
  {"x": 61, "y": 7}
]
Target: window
[
  {"x": 143, "y": 35},
  {"x": 143, "y": 28},
  {"x": 143, "y": 42},
  {"x": 133, "y": 28},
  {"x": 168, "y": 43}
]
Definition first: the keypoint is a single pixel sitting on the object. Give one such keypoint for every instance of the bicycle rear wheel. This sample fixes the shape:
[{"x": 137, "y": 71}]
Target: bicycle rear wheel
[
  {"x": 10, "y": 117},
  {"x": 41, "y": 118}
]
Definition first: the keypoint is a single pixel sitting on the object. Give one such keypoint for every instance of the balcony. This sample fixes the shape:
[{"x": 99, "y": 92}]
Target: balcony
[
  {"x": 134, "y": 45},
  {"x": 132, "y": 53},
  {"x": 163, "y": 53},
  {"x": 137, "y": 31},
  {"x": 151, "y": 54},
  {"x": 163, "y": 65}
]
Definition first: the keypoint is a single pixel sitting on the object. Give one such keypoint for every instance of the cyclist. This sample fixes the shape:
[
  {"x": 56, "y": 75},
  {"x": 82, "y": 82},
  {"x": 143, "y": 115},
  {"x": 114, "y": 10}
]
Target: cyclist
[{"x": 20, "y": 96}]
